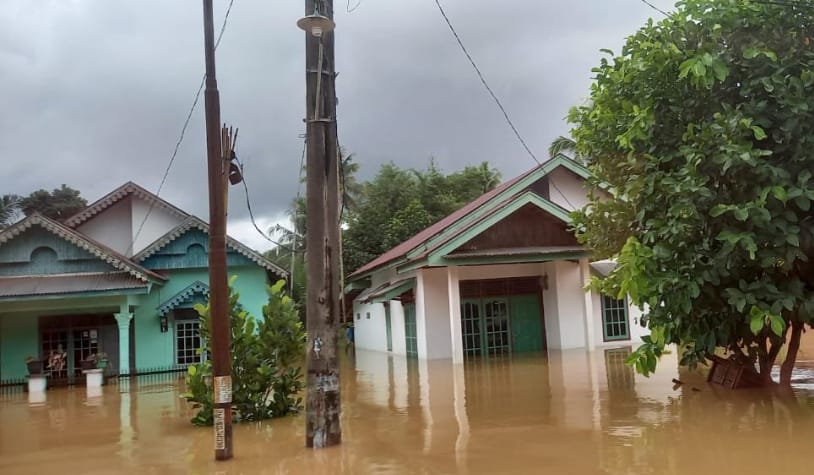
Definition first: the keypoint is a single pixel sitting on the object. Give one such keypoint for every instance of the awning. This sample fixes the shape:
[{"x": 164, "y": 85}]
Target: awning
[
  {"x": 386, "y": 291},
  {"x": 603, "y": 268},
  {"x": 193, "y": 293},
  {"x": 63, "y": 284}
]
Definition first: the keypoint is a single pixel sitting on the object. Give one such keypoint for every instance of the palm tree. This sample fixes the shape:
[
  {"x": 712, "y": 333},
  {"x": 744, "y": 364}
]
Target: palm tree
[
  {"x": 348, "y": 185},
  {"x": 9, "y": 210},
  {"x": 565, "y": 146}
]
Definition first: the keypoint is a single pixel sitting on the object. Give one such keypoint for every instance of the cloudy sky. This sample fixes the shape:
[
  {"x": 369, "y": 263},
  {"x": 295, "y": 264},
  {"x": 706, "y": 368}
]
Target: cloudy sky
[{"x": 93, "y": 93}]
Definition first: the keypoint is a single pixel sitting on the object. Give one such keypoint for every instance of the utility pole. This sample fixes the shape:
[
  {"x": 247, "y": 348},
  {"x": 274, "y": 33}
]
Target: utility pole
[
  {"x": 218, "y": 168},
  {"x": 322, "y": 236}
]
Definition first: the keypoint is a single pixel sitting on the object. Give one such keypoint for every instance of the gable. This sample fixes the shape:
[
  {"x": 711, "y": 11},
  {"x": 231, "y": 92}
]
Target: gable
[
  {"x": 35, "y": 251},
  {"x": 527, "y": 227},
  {"x": 117, "y": 220},
  {"x": 190, "y": 250},
  {"x": 535, "y": 182}
]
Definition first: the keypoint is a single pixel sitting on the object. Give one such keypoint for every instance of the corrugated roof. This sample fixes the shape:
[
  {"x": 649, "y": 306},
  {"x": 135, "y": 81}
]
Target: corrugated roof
[
  {"x": 401, "y": 250},
  {"x": 76, "y": 238},
  {"x": 20, "y": 286},
  {"x": 515, "y": 251},
  {"x": 436, "y": 228}
]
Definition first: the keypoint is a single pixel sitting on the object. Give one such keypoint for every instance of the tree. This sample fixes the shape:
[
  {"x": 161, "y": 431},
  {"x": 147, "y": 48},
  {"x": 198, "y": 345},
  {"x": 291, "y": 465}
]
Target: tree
[
  {"x": 59, "y": 204},
  {"x": 266, "y": 359},
  {"x": 399, "y": 203},
  {"x": 9, "y": 210},
  {"x": 701, "y": 129},
  {"x": 565, "y": 146}
]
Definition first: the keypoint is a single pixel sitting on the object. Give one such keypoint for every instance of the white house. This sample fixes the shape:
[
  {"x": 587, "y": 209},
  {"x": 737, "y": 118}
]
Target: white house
[{"x": 504, "y": 274}]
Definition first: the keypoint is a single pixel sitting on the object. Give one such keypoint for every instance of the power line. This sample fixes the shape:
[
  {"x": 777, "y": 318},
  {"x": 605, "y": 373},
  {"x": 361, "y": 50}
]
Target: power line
[
  {"x": 183, "y": 132},
  {"x": 251, "y": 213},
  {"x": 351, "y": 10},
  {"x": 655, "y": 8},
  {"x": 495, "y": 98}
]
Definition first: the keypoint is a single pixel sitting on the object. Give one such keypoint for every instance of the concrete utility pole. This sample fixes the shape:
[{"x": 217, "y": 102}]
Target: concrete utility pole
[
  {"x": 322, "y": 236},
  {"x": 218, "y": 166}
]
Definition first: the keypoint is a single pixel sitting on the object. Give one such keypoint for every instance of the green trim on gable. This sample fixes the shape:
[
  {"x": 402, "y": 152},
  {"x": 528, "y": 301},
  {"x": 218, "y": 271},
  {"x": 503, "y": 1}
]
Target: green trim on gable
[
  {"x": 486, "y": 208},
  {"x": 517, "y": 259},
  {"x": 191, "y": 251},
  {"x": 437, "y": 256}
]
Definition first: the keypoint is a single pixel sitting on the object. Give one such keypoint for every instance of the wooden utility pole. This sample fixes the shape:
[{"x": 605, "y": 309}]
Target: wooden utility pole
[
  {"x": 322, "y": 235},
  {"x": 218, "y": 167}
]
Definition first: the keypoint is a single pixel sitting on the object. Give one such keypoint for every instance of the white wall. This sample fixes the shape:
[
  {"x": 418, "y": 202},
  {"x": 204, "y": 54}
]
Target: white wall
[
  {"x": 636, "y": 331},
  {"x": 570, "y": 300},
  {"x": 112, "y": 227},
  {"x": 370, "y": 333},
  {"x": 567, "y": 189},
  {"x": 551, "y": 309},
  {"x": 436, "y": 313},
  {"x": 158, "y": 223}
]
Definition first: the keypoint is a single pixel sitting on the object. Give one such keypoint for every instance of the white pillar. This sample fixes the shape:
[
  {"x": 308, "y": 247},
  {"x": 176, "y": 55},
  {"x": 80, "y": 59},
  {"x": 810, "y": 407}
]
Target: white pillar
[
  {"x": 420, "y": 315},
  {"x": 587, "y": 304},
  {"x": 454, "y": 299},
  {"x": 123, "y": 320}
]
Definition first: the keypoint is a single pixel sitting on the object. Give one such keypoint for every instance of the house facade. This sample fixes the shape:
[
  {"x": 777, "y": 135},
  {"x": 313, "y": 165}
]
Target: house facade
[
  {"x": 121, "y": 278},
  {"x": 502, "y": 275}
]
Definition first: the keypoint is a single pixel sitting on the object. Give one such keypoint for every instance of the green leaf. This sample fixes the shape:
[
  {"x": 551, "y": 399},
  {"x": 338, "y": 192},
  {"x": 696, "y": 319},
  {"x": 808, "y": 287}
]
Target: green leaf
[
  {"x": 741, "y": 214},
  {"x": 718, "y": 210},
  {"x": 793, "y": 240},
  {"x": 750, "y": 52},
  {"x": 777, "y": 324},
  {"x": 756, "y": 324},
  {"x": 760, "y": 134}
]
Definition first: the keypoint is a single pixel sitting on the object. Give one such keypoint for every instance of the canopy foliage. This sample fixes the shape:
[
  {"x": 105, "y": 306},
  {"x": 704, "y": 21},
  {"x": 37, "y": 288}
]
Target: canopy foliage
[{"x": 702, "y": 130}]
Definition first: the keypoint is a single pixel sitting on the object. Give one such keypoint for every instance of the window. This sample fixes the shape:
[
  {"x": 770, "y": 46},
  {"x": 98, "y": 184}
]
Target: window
[
  {"x": 187, "y": 338},
  {"x": 614, "y": 319},
  {"x": 358, "y": 316},
  {"x": 367, "y": 315}
]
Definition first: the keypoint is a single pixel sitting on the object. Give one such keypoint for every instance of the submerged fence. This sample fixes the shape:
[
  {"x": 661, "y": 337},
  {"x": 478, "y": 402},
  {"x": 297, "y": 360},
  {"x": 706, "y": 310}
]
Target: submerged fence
[{"x": 141, "y": 377}]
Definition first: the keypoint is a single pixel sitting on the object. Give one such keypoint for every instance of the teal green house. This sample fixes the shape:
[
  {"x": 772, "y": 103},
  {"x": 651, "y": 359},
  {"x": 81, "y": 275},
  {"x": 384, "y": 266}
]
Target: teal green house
[{"x": 120, "y": 278}]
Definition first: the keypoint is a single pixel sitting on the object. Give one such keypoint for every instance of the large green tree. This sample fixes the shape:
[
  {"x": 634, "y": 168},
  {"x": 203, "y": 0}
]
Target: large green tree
[
  {"x": 59, "y": 204},
  {"x": 702, "y": 131},
  {"x": 398, "y": 203}
]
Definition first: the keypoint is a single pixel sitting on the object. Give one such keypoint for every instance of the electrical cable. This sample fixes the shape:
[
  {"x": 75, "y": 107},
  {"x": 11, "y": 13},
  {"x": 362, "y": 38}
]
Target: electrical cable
[
  {"x": 183, "y": 133},
  {"x": 655, "y": 8},
  {"x": 495, "y": 98}
]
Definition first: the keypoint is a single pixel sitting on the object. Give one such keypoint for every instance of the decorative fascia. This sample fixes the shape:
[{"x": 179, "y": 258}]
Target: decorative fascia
[
  {"x": 194, "y": 288},
  {"x": 117, "y": 195},
  {"x": 193, "y": 222},
  {"x": 100, "y": 251}
]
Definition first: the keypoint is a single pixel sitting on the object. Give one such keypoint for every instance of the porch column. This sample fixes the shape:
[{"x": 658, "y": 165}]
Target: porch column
[
  {"x": 454, "y": 299},
  {"x": 123, "y": 320},
  {"x": 587, "y": 303}
]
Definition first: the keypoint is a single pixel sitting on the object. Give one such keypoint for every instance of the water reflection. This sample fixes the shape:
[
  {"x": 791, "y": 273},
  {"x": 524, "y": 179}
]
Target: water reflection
[{"x": 569, "y": 412}]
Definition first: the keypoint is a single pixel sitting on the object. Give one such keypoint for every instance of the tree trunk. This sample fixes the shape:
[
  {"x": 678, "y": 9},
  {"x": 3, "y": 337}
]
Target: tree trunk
[{"x": 791, "y": 355}]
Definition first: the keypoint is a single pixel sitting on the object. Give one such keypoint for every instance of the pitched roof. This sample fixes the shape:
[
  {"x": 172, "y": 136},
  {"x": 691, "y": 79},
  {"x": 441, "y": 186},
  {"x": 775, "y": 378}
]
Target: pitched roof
[
  {"x": 499, "y": 194},
  {"x": 183, "y": 296},
  {"x": 106, "y": 254},
  {"x": 117, "y": 195},
  {"x": 196, "y": 223},
  {"x": 56, "y": 284}
]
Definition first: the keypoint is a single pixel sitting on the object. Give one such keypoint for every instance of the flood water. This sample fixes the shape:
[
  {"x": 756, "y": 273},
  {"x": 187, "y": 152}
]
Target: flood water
[{"x": 571, "y": 412}]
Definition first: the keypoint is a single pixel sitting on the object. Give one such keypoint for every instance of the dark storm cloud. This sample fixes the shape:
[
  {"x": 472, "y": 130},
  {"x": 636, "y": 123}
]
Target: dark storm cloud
[{"x": 94, "y": 92}]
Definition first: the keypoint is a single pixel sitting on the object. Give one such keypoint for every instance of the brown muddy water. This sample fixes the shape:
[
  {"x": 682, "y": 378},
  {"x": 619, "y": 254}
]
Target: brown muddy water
[{"x": 571, "y": 412}]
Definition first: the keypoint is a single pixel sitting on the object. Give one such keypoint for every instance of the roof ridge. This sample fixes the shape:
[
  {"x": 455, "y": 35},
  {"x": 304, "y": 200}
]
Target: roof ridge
[
  {"x": 106, "y": 254},
  {"x": 108, "y": 200}
]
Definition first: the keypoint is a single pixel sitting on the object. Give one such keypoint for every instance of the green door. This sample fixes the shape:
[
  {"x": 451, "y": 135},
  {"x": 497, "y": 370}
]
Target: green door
[
  {"x": 527, "y": 327},
  {"x": 410, "y": 336},
  {"x": 389, "y": 328}
]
